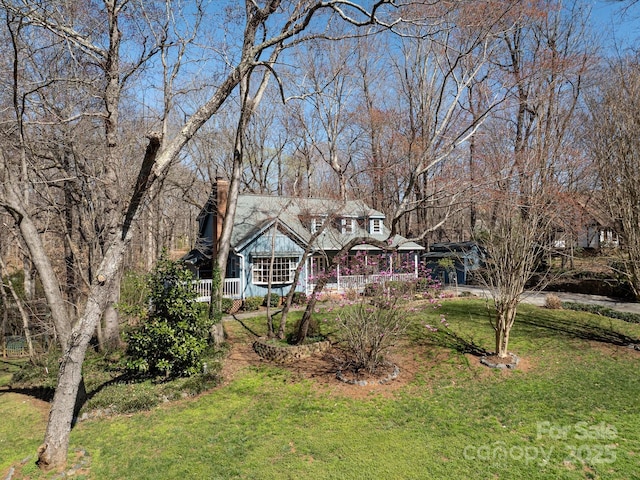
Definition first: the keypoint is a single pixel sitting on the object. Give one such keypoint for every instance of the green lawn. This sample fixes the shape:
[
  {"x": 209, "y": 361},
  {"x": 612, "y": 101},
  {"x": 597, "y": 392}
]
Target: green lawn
[{"x": 572, "y": 412}]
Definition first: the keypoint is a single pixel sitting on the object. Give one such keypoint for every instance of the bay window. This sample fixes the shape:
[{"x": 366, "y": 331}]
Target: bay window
[{"x": 282, "y": 270}]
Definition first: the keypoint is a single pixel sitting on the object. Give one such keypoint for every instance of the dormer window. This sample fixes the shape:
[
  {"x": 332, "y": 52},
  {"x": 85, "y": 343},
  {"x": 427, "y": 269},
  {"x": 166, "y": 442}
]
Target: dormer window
[
  {"x": 375, "y": 226},
  {"x": 316, "y": 223},
  {"x": 348, "y": 225}
]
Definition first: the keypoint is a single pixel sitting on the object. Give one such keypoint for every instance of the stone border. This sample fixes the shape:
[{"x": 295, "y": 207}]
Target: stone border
[
  {"x": 515, "y": 360},
  {"x": 288, "y": 353},
  {"x": 361, "y": 383}
]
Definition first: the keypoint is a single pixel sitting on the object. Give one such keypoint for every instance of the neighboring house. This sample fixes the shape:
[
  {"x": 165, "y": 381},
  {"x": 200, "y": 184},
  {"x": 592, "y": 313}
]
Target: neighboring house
[
  {"x": 595, "y": 229},
  {"x": 463, "y": 257},
  {"x": 270, "y": 235}
]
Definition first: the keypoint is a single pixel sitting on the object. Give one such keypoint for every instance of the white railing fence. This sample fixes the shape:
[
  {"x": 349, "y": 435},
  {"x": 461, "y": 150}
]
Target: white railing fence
[
  {"x": 357, "y": 282},
  {"x": 231, "y": 289}
]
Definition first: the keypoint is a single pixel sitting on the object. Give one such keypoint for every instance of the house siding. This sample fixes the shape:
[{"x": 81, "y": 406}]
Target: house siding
[
  {"x": 466, "y": 258},
  {"x": 262, "y": 246}
]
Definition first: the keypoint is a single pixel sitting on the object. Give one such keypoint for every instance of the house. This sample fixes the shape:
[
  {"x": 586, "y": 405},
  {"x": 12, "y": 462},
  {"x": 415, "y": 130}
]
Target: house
[
  {"x": 594, "y": 228},
  {"x": 271, "y": 234},
  {"x": 453, "y": 262}
]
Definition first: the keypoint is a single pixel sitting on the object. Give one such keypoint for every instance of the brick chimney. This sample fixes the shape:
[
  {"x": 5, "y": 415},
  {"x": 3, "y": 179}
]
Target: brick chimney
[{"x": 220, "y": 194}]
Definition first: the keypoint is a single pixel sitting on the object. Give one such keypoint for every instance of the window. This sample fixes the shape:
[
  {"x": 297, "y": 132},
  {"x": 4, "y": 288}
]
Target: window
[
  {"x": 283, "y": 270},
  {"x": 316, "y": 223},
  {"x": 348, "y": 225},
  {"x": 233, "y": 267},
  {"x": 375, "y": 225}
]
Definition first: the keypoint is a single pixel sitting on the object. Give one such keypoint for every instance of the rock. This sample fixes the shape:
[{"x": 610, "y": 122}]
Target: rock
[{"x": 491, "y": 361}]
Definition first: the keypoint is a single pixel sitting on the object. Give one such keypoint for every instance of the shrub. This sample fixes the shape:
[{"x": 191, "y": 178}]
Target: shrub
[
  {"x": 399, "y": 288},
  {"x": 227, "y": 304},
  {"x": 602, "y": 310},
  {"x": 351, "y": 295},
  {"x": 372, "y": 289},
  {"x": 275, "y": 300},
  {"x": 552, "y": 302},
  {"x": 252, "y": 303},
  {"x": 370, "y": 329},
  {"x": 299, "y": 298},
  {"x": 313, "y": 331},
  {"x": 426, "y": 284},
  {"x": 173, "y": 338}
]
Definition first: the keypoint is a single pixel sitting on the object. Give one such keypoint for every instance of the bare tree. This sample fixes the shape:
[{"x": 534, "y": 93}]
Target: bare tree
[
  {"x": 612, "y": 137},
  {"x": 266, "y": 26},
  {"x": 434, "y": 66},
  {"x": 26, "y": 328},
  {"x": 525, "y": 162},
  {"x": 331, "y": 105},
  {"x": 379, "y": 167}
]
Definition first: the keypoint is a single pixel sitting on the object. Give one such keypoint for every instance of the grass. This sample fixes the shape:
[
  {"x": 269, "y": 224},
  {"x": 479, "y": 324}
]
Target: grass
[
  {"x": 570, "y": 413},
  {"x": 23, "y": 420}
]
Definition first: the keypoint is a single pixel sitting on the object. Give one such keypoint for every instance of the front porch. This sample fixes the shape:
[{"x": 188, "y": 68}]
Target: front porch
[
  {"x": 345, "y": 283},
  {"x": 359, "y": 270},
  {"x": 231, "y": 289}
]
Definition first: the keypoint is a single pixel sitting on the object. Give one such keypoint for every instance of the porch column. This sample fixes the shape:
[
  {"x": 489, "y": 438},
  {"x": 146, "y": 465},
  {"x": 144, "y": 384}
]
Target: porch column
[
  {"x": 415, "y": 263},
  {"x": 338, "y": 276},
  {"x": 243, "y": 276}
]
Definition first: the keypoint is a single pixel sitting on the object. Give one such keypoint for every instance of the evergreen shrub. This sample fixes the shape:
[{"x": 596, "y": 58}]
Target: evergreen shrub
[{"x": 173, "y": 337}]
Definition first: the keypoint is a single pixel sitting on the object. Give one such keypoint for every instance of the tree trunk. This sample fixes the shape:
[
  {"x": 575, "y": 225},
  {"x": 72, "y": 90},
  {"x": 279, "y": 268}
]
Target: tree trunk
[
  {"x": 505, "y": 320},
  {"x": 5, "y": 311},
  {"x": 29, "y": 282},
  {"x": 217, "y": 333},
  {"x": 111, "y": 318},
  {"x": 270, "y": 332},
  {"x": 111, "y": 332},
  {"x": 42, "y": 263},
  {"x": 5, "y": 316},
  {"x": 215, "y": 305},
  {"x": 53, "y": 452},
  {"x": 296, "y": 278}
]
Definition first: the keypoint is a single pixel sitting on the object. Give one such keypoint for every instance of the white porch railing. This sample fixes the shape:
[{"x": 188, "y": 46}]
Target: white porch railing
[
  {"x": 231, "y": 289},
  {"x": 357, "y": 282}
]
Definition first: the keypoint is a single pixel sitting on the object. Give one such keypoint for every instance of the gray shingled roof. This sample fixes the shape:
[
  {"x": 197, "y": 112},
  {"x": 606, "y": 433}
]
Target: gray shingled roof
[{"x": 255, "y": 213}]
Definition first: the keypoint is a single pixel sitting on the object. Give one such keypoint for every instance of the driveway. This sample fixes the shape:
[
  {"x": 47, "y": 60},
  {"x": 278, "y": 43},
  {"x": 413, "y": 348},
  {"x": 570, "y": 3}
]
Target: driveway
[{"x": 538, "y": 298}]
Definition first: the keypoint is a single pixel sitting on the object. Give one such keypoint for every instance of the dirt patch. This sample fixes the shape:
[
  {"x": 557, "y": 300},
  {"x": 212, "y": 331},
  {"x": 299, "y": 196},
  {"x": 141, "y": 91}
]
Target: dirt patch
[
  {"x": 322, "y": 369},
  {"x": 240, "y": 356},
  {"x": 412, "y": 360},
  {"x": 41, "y": 406},
  {"x": 612, "y": 349}
]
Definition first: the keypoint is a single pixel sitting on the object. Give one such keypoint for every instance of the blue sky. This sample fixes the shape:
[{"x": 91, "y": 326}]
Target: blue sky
[{"x": 615, "y": 26}]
